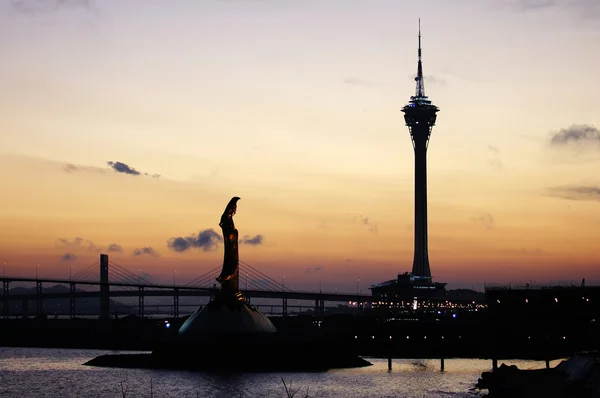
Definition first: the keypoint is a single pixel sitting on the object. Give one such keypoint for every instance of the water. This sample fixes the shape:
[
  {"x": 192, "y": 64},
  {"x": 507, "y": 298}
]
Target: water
[{"x": 39, "y": 372}]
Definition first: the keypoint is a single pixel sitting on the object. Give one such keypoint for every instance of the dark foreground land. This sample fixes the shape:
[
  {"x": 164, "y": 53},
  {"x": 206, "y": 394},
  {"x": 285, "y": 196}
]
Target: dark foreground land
[
  {"x": 367, "y": 336},
  {"x": 578, "y": 376}
]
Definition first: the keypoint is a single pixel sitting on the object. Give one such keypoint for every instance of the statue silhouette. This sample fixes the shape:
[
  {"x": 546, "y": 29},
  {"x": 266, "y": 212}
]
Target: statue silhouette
[{"x": 229, "y": 277}]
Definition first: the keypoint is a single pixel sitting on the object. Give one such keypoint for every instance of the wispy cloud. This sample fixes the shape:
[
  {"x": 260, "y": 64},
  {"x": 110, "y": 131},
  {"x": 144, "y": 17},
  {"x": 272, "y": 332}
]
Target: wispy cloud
[
  {"x": 79, "y": 244},
  {"x": 114, "y": 248},
  {"x": 324, "y": 225},
  {"x": 494, "y": 149},
  {"x": 68, "y": 257},
  {"x": 575, "y": 192},
  {"x": 494, "y": 157},
  {"x": 523, "y": 251},
  {"x": 145, "y": 251},
  {"x": 584, "y": 8},
  {"x": 357, "y": 81},
  {"x": 365, "y": 221},
  {"x": 206, "y": 240},
  {"x": 311, "y": 270},
  {"x": 431, "y": 80},
  {"x": 487, "y": 220},
  {"x": 252, "y": 240},
  {"x": 37, "y": 7},
  {"x": 73, "y": 168}
]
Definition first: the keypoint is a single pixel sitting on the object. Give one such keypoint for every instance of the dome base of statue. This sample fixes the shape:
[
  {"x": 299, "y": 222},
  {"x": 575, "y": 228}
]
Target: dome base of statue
[{"x": 226, "y": 314}]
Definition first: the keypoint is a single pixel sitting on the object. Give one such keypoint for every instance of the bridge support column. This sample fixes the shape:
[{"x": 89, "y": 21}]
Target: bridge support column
[
  {"x": 5, "y": 298},
  {"x": 141, "y": 302},
  {"x": 104, "y": 288},
  {"x": 284, "y": 307},
  {"x": 176, "y": 303},
  {"x": 38, "y": 297},
  {"x": 72, "y": 300}
]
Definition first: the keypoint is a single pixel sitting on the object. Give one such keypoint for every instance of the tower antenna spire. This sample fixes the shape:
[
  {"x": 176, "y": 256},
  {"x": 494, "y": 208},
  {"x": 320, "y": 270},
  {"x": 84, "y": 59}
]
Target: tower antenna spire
[{"x": 420, "y": 90}]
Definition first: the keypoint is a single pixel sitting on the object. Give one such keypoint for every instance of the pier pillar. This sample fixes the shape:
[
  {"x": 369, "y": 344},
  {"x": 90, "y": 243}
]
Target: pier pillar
[
  {"x": 494, "y": 364},
  {"x": 104, "y": 288},
  {"x": 141, "y": 302},
  {"x": 176, "y": 303},
  {"x": 390, "y": 362},
  {"x": 322, "y": 308},
  {"x": 5, "y": 298},
  {"x": 24, "y": 308},
  {"x": 38, "y": 297},
  {"x": 442, "y": 364},
  {"x": 71, "y": 300}
]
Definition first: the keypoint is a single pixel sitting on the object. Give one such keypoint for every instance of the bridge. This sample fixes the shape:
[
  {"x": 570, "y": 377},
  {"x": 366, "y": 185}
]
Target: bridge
[{"x": 122, "y": 283}]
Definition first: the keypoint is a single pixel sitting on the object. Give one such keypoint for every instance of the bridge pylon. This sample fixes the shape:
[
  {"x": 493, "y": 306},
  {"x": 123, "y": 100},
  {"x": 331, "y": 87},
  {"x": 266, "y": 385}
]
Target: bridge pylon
[{"x": 104, "y": 287}]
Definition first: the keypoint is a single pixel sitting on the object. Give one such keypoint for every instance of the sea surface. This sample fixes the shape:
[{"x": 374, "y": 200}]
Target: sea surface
[{"x": 41, "y": 372}]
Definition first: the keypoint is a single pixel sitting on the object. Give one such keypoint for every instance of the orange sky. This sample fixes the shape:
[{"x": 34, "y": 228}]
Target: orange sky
[{"x": 227, "y": 99}]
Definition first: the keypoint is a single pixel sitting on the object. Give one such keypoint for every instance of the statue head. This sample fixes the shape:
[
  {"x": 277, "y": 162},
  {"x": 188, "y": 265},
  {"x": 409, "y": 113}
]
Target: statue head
[
  {"x": 227, "y": 217},
  {"x": 232, "y": 206}
]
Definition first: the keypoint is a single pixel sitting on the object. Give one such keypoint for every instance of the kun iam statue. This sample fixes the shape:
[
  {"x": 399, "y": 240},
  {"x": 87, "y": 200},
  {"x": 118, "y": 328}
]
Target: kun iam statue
[
  {"x": 230, "y": 274},
  {"x": 228, "y": 311}
]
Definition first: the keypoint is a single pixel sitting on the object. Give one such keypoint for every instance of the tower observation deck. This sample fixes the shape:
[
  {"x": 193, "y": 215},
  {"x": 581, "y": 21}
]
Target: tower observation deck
[{"x": 420, "y": 116}]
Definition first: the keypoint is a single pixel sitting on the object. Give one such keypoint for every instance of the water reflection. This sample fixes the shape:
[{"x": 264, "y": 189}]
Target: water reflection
[{"x": 54, "y": 372}]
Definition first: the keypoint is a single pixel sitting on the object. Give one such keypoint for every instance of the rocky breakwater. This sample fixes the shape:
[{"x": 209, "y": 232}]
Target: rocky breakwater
[{"x": 579, "y": 376}]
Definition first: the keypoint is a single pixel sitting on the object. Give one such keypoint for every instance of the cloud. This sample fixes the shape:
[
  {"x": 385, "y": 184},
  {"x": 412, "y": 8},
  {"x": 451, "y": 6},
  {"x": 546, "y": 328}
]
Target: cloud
[
  {"x": 79, "y": 244},
  {"x": 364, "y": 220},
  {"x": 523, "y": 250},
  {"x": 356, "y": 81},
  {"x": 73, "y": 168},
  {"x": 494, "y": 149},
  {"x": 586, "y": 8},
  {"x": 310, "y": 270},
  {"x": 432, "y": 80},
  {"x": 575, "y": 192},
  {"x": 256, "y": 240},
  {"x": 68, "y": 257},
  {"x": 487, "y": 220},
  {"x": 324, "y": 225},
  {"x": 206, "y": 240},
  {"x": 145, "y": 251},
  {"x": 114, "y": 248},
  {"x": 36, "y": 7},
  {"x": 121, "y": 167},
  {"x": 580, "y": 135},
  {"x": 533, "y": 4},
  {"x": 494, "y": 161}
]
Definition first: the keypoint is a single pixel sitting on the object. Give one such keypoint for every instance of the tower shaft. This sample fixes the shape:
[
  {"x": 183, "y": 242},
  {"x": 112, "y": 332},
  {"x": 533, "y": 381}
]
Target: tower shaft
[
  {"x": 421, "y": 255},
  {"x": 420, "y": 116}
]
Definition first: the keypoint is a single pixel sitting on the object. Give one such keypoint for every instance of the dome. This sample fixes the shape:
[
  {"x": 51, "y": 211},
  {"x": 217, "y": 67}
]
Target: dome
[{"x": 218, "y": 318}]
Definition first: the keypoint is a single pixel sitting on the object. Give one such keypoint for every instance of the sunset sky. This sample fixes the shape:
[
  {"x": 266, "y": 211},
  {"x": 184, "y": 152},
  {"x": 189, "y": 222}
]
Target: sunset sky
[{"x": 126, "y": 124}]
